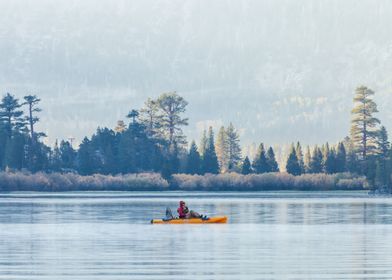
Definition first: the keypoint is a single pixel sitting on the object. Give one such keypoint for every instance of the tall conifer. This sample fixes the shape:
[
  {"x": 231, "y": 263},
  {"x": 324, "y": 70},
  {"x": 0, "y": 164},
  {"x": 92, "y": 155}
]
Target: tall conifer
[
  {"x": 210, "y": 161},
  {"x": 363, "y": 124},
  {"x": 260, "y": 164},
  {"x": 292, "y": 165}
]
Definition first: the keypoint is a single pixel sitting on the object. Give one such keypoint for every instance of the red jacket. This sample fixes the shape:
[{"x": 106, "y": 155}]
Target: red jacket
[{"x": 182, "y": 211}]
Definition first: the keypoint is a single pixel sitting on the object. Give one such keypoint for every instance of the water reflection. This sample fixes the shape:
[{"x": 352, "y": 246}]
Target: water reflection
[{"x": 270, "y": 235}]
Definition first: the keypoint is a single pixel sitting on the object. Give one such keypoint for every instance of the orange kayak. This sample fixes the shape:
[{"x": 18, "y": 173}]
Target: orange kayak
[{"x": 212, "y": 220}]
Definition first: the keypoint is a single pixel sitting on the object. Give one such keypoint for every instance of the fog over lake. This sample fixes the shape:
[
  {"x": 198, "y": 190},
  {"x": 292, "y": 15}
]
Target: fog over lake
[{"x": 281, "y": 70}]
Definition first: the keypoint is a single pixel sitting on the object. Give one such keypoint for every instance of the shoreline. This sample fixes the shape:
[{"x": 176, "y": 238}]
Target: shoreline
[{"x": 193, "y": 192}]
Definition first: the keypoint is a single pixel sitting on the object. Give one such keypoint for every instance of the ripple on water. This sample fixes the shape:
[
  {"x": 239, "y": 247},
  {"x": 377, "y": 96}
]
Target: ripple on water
[{"x": 270, "y": 236}]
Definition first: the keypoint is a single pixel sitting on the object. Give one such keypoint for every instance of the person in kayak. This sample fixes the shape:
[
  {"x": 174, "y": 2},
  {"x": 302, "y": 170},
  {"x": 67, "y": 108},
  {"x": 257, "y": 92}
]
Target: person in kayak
[{"x": 184, "y": 213}]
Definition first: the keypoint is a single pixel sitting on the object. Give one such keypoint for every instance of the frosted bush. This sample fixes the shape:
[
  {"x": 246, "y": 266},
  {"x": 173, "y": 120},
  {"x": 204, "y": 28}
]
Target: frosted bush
[
  {"x": 74, "y": 182},
  {"x": 152, "y": 181},
  {"x": 268, "y": 181}
]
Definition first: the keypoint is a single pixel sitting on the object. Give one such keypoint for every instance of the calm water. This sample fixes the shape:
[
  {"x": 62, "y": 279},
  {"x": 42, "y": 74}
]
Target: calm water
[{"x": 284, "y": 235}]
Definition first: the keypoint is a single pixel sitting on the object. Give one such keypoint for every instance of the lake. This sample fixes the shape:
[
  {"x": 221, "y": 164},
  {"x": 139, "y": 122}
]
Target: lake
[{"x": 270, "y": 235}]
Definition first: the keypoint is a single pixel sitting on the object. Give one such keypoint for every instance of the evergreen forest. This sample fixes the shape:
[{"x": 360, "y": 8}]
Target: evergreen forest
[{"x": 151, "y": 141}]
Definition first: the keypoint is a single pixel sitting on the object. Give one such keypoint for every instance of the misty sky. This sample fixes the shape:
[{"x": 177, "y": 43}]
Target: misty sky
[{"x": 280, "y": 70}]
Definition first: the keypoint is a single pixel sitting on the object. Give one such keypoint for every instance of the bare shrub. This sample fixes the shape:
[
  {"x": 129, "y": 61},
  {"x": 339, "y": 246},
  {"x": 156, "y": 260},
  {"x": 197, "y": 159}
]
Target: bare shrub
[
  {"x": 20, "y": 181},
  {"x": 268, "y": 181},
  {"x": 72, "y": 182}
]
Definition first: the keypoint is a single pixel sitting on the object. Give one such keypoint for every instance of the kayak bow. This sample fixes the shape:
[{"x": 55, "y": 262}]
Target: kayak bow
[{"x": 212, "y": 220}]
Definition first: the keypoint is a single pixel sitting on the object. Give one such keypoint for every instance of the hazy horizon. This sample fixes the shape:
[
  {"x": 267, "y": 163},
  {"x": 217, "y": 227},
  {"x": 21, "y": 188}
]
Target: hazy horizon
[{"x": 280, "y": 71}]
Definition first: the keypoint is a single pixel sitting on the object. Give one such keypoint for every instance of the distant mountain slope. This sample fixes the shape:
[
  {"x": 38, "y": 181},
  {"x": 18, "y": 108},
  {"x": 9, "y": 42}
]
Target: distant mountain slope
[{"x": 280, "y": 70}]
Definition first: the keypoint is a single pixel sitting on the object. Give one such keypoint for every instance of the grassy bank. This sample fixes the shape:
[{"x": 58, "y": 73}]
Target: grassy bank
[
  {"x": 57, "y": 182},
  {"x": 52, "y": 182},
  {"x": 269, "y": 181}
]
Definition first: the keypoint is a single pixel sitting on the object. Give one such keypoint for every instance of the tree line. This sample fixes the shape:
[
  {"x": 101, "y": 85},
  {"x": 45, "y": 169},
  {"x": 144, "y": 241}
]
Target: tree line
[
  {"x": 152, "y": 140},
  {"x": 20, "y": 145},
  {"x": 366, "y": 152}
]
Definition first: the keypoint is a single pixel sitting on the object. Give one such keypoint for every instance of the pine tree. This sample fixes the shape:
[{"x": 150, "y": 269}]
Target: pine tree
[
  {"x": 14, "y": 126},
  {"x": 299, "y": 154},
  {"x": 120, "y": 127},
  {"x": 260, "y": 164},
  {"x": 128, "y": 143},
  {"x": 32, "y": 101},
  {"x": 173, "y": 160},
  {"x": 210, "y": 160},
  {"x": 292, "y": 165},
  {"x": 330, "y": 161},
  {"x": 325, "y": 151},
  {"x": 134, "y": 151},
  {"x": 389, "y": 171},
  {"x": 3, "y": 143},
  {"x": 273, "y": 165},
  {"x": 370, "y": 171},
  {"x": 383, "y": 175},
  {"x": 85, "y": 158},
  {"x": 307, "y": 160},
  {"x": 383, "y": 145},
  {"x": 67, "y": 155},
  {"x": 171, "y": 106},
  {"x": 36, "y": 156},
  {"x": 55, "y": 158},
  {"x": 161, "y": 125},
  {"x": 316, "y": 163},
  {"x": 151, "y": 118},
  {"x": 352, "y": 161},
  {"x": 222, "y": 150},
  {"x": 15, "y": 151},
  {"x": 341, "y": 158},
  {"x": 11, "y": 116},
  {"x": 42, "y": 155},
  {"x": 379, "y": 177},
  {"x": 193, "y": 160},
  {"x": 383, "y": 170},
  {"x": 133, "y": 115},
  {"x": 246, "y": 167},
  {"x": 183, "y": 154},
  {"x": 203, "y": 143},
  {"x": 233, "y": 147},
  {"x": 103, "y": 151},
  {"x": 363, "y": 124}
]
